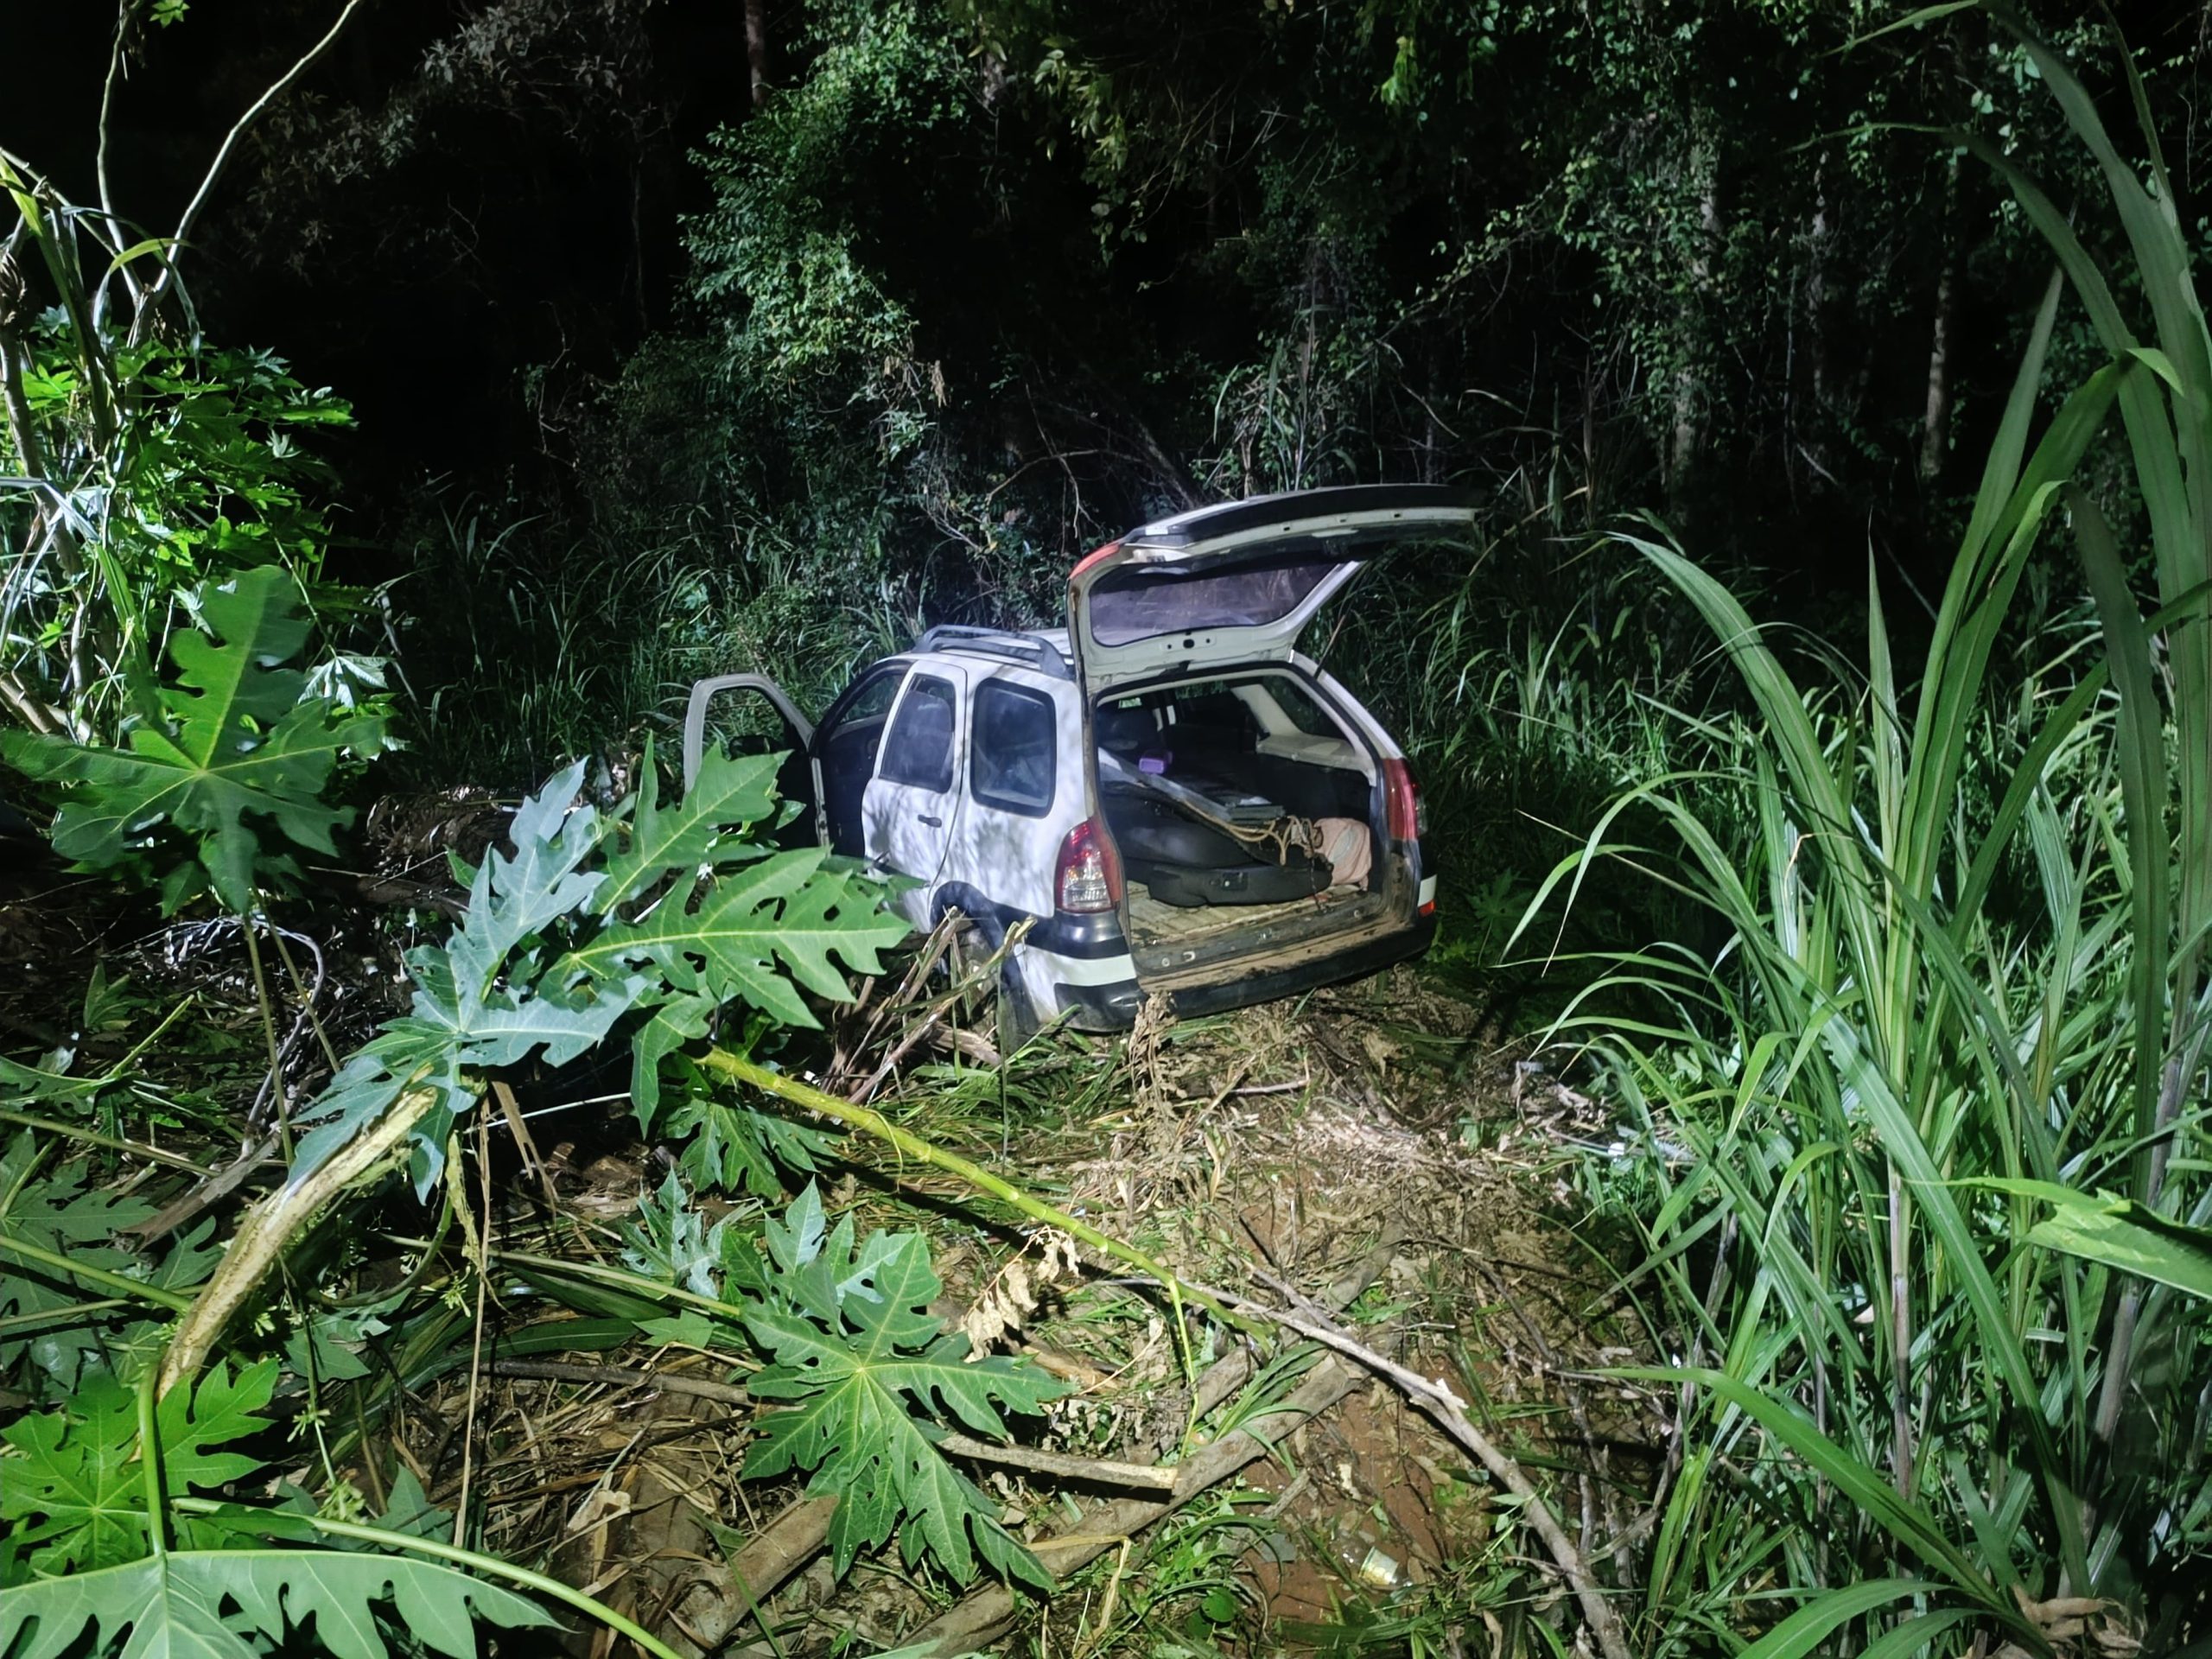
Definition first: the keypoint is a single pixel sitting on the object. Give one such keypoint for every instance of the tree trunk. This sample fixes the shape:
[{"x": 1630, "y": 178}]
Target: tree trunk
[
  {"x": 756, "y": 48},
  {"x": 1935, "y": 423},
  {"x": 1688, "y": 436}
]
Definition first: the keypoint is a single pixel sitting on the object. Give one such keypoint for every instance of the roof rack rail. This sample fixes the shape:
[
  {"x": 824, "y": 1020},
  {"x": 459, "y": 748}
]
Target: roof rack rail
[{"x": 1041, "y": 654}]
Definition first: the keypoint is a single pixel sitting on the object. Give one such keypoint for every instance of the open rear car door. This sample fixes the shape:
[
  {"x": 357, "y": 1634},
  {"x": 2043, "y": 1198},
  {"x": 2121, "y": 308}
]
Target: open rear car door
[
  {"x": 749, "y": 713},
  {"x": 1237, "y": 584}
]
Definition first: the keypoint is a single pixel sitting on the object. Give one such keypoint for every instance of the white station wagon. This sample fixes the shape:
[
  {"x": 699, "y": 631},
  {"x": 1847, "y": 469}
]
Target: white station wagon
[{"x": 1172, "y": 797}]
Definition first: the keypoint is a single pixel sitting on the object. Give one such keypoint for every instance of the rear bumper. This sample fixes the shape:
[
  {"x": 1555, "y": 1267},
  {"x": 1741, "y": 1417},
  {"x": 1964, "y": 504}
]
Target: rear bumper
[
  {"x": 1269, "y": 983},
  {"x": 1113, "y": 1005},
  {"x": 1110, "y": 1006}
]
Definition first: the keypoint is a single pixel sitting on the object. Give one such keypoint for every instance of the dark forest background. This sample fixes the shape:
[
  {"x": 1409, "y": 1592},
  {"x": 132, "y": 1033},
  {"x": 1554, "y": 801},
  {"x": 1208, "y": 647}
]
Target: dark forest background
[{"x": 686, "y": 333}]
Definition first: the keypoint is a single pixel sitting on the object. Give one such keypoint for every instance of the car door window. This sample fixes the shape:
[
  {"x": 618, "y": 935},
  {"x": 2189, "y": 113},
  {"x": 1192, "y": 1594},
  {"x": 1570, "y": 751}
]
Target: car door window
[
  {"x": 918, "y": 749},
  {"x": 847, "y": 748},
  {"x": 1015, "y": 753}
]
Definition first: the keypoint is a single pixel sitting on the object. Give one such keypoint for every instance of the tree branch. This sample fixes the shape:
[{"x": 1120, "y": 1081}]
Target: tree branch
[
  {"x": 100, "y": 156},
  {"x": 151, "y": 304},
  {"x": 1448, "y": 1412}
]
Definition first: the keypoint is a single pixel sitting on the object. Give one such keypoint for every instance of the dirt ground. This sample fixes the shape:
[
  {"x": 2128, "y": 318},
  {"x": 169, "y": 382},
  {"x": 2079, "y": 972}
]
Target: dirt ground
[{"x": 1268, "y": 1153}]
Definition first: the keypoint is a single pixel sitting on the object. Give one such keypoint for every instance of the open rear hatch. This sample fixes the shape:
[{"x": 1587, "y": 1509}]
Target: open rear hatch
[
  {"x": 1252, "y": 821},
  {"x": 1237, "y": 584}
]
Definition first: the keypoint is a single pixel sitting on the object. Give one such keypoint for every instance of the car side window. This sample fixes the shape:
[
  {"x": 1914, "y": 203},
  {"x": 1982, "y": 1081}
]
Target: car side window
[
  {"x": 918, "y": 750},
  {"x": 1015, "y": 756},
  {"x": 853, "y": 731}
]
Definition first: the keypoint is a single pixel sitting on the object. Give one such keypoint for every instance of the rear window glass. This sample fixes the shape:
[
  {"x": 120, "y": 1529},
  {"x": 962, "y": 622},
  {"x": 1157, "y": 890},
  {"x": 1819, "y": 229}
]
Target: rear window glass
[
  {"x": 1141, "y": 602},
  {"x": 1299, "y": 709},
  {"x": 919, "y": 749},
  {"x": 1016, "y": 750}
]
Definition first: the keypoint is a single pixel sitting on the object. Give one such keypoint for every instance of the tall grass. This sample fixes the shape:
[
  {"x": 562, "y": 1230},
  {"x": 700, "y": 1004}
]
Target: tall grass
[
  {"x": 1964, "y": 982},
  {"x": 531, "y": 641}
]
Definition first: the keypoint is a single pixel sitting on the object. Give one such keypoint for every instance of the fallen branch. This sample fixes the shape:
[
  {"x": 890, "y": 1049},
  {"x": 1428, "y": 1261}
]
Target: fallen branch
[
  {"x": 1448, "y": 1412},
  {"x": 1104, "y": 1471}
]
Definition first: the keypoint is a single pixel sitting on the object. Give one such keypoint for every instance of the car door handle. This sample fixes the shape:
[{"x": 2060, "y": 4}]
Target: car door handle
[{"x": 934, "y": 823}]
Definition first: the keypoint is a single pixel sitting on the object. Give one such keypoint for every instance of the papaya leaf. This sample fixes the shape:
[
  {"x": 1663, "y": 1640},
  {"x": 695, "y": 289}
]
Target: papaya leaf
[
  {"x": 73, "y": 1477},
  {"x": 75, "y": 1474},
  {"x": 482, "y": 1000},
  {"x": 729, "y": 1145},
  {"x": 872, "y": 1377},
  {"x": 218, "y": 1411},
  {"x": 511, "y": 899},
  {"x": 64, "y": 1212},
  {"x": 171, "y": 1606},
  {"x": 234, "y": 738},
  {"x": 784, "y": 914},
  {"x": 731, "y": 794}
]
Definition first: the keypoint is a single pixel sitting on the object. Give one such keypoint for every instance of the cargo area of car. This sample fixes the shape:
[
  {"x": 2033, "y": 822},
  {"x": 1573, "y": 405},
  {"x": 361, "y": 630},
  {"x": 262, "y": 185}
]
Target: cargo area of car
[{"x": 1247, "y": 820}]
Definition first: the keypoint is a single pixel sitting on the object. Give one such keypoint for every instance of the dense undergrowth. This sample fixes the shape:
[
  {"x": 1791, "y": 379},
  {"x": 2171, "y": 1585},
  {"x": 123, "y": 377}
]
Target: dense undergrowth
[{"x": 1881, "y": 945}]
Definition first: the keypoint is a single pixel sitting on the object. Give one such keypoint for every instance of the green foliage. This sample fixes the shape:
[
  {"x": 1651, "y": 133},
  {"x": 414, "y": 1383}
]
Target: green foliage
[
  {"x": 687, "y": 914},
  {"x": 868, "y": 1374},
  {"x": 74, "y": 1485},
  {"x": 1897, "y": 1359},
  {"x": 779, "y": 254},
  {"x": 669, "y": 1240},
  {"x": 138, "y": 468},
  {"x": 238, "y": 734},
  {"x": 727, "y": 1144},
  {"x": 63, "y": 1215},
  {"x": 176, "y": 1604},
  {"x": 2122, "y": 1235}
]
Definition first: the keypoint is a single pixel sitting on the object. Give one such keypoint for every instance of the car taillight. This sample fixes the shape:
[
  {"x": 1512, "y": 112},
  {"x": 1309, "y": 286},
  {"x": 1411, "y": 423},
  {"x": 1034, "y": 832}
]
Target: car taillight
[
  {"x": 1403, "y": 815},
  {"x": 1088, "y": 874}
]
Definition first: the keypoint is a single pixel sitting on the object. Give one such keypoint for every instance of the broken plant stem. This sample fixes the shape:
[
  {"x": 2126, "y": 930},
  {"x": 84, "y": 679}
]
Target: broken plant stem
[
  {"x": 872, "y": 1123},
  {"x": 112, "y": 1142},
  {"x": 136, "y": 1289},
  {"x": 272, "y": 1225}
]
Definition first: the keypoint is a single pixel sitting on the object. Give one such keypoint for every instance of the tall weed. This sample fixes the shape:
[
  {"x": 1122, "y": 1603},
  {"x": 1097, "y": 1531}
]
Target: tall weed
[{"x": 1902, "y": 1411}]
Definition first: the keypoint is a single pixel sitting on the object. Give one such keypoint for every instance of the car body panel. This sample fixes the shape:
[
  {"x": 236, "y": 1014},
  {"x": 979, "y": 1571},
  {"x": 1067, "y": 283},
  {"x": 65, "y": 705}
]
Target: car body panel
[
  {"x": 910, "y": 821},
  {"x": 800, "y": 777}
]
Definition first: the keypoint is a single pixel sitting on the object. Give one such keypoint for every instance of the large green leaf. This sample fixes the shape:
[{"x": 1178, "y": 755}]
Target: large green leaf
[
  {"x": 731, "y": 794},
  {"x": 73, "y": 1480},
  {"x": 75, "y": 1491},
  {"x": 869, "y": 1372},
  {"x": 170, "y": 1607},
  {"x": 482, "y": 999},
  {"x": 737, "y": 940},
  {"x": 235, "y": 738}
]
